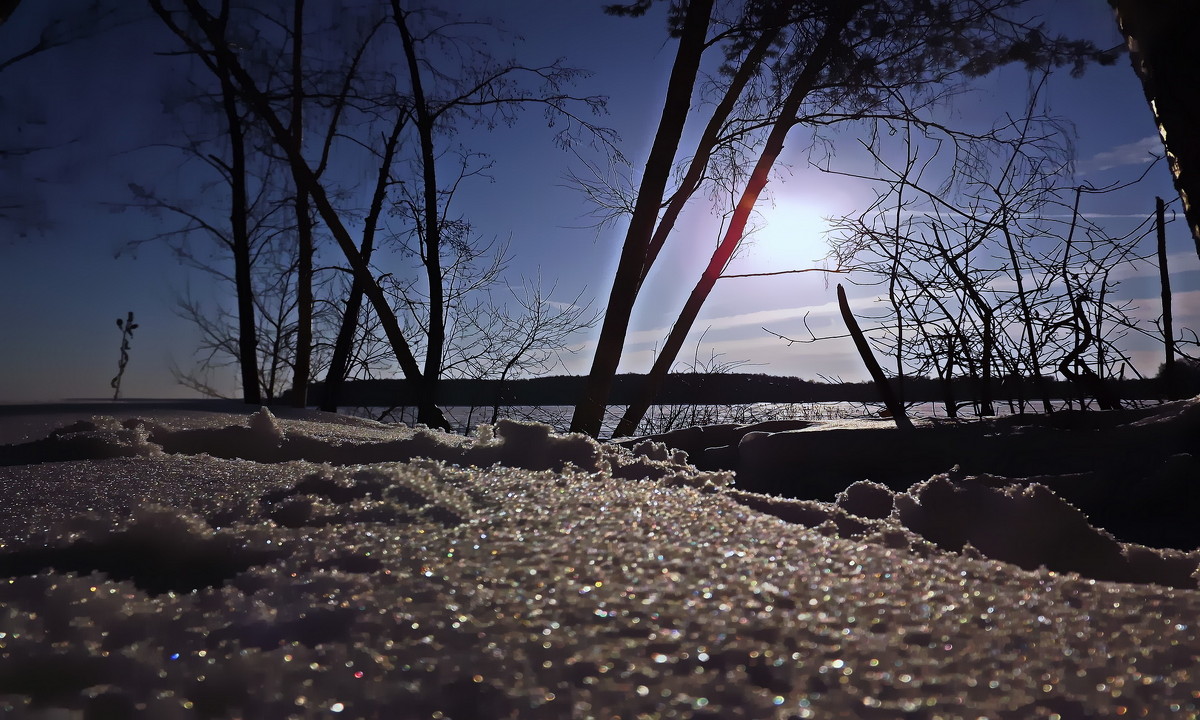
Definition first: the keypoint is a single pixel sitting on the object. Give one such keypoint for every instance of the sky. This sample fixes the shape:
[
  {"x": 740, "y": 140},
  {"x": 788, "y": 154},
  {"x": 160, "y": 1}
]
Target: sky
[{"x": 67, "y": 270}]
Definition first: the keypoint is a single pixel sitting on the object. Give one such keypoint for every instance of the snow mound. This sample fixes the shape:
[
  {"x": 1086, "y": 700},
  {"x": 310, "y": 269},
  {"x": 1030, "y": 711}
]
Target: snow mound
[
  {"x": 1132, "y": 472},
  {"x": 158, "y": 549},
  {"x": 99, "y": 438},
  {"x": 266, "y": 439}
]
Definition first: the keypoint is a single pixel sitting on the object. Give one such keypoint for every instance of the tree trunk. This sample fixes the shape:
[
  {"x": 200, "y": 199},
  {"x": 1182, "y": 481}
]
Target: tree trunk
[
  {"x": 431, "y": 238},
  {"x": 1162, "y": 36},
  {"x": 302, "y": 371},
  {"x": 7, "y": 8},
  {"x": 1168, "y": 371},
  {"x": 589, "y": 411},
  {"x": 893, "y": 298},
  {"x": 757, "y": 181},
  {"x": 427, "y": 412},
  {"x": 947, "y": 381},
  {"x": 895, "y": 408},
  {"x": 986, "y": 317},
  {"x": 339, "y": 365},
  {"x": 239, "y": 226},
  {"x": 304, "y": 228},
  {"x": 707, "y": 144},
  {"x": 987, "y": 405}
]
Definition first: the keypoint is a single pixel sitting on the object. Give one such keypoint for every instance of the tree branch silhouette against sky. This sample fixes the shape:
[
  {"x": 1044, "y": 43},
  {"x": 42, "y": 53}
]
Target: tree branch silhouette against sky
[{"x": 89, "y": 116}]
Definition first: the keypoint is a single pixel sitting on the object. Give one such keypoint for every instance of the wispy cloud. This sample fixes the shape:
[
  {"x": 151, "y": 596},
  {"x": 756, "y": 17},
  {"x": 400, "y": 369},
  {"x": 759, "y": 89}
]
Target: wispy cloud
[
  {"x": 1185, "y": 307},
  {"x": 1134, "y": 153},
  {"x": 754, "y": 320}
]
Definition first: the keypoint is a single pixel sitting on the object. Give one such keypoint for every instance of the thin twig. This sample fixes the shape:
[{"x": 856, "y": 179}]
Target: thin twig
[{"x": 784, "y": 272}]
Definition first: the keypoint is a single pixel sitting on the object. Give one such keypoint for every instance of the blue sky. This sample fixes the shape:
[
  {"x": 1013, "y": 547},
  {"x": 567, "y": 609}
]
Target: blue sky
[{"x": 65, "y": 275}]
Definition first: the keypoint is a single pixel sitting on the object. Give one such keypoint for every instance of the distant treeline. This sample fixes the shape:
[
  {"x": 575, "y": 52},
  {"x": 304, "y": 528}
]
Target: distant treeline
[{"x": 709, "y": 389}]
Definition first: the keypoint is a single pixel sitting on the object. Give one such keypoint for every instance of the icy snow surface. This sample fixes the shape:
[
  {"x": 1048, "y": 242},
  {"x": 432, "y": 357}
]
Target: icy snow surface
[{"x": 177, "y": 564}]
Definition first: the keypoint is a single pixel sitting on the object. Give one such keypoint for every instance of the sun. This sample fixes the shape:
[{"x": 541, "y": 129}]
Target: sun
[{"x": 791, "y": 236}]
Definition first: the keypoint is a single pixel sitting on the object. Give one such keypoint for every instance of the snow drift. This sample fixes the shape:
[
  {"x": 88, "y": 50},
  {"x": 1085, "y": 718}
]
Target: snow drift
[{"x": 208, "y": 565}]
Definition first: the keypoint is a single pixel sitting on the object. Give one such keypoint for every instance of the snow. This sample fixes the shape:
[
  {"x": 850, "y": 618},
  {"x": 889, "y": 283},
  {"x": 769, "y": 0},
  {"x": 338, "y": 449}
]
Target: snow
[{"x": 171, "y": 562}]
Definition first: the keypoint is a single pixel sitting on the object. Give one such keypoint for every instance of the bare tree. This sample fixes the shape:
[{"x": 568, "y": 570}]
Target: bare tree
[
  {"x": 485, "y": 91},
  {"x": 254, "y": 225},
  {"x": 275, "y": 297},
  {"x": 478, "y": 89},
  {"x": 213, "y": 45},
  {"x": 830, "y": 63},
  {"x": 632, "y": 267},
  {"x": 244, "y": 234},
  {"x": 239, "y": 221},
  {"x": 494, "y": 331},
  {"x": 997, "y": 270},
  {"x": 526, "y": 335}
]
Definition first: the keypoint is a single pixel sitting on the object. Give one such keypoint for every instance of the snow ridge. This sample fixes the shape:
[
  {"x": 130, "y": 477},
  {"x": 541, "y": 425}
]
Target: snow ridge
[{"x": 341, "y": 571}]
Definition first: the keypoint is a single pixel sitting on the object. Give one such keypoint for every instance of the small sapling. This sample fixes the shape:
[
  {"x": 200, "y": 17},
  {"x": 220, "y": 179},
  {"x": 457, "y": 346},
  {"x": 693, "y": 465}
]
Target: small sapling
[{"x": 127, "y": 327}]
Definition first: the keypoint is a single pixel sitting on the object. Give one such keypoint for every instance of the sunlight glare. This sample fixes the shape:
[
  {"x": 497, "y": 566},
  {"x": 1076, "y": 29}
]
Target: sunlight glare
[{"x": 791, "y": 237}]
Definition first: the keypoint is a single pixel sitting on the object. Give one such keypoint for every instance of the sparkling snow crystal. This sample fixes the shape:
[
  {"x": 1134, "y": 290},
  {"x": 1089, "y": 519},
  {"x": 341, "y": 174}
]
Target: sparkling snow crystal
[{"x": 215, "y": 566}]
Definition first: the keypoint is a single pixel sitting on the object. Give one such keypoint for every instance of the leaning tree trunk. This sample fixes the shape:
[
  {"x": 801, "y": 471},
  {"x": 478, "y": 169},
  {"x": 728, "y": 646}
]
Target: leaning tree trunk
[
  {"x": 887, "y": 394},
  {"x": 589, "y": 410},
  {"x": 707, "y": 145},
  {"x": 755, "y": 185},
  {"x": 339, "y": 365},
  {"x": 7, "y": 8},
  {"x": 1162, "y": 36}
]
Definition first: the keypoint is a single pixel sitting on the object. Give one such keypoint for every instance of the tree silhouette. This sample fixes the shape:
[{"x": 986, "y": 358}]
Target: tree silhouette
[
  {"x": 993, "y": 271},
  {"x": 478, "y": 89},
  {"x": 633, "y": 266},
  {"x": 825, "y": 63}
]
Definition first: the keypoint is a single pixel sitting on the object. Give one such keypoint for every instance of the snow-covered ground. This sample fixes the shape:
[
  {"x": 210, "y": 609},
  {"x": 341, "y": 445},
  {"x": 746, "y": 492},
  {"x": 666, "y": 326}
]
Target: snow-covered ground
[{"x": 171, "y": 562}]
